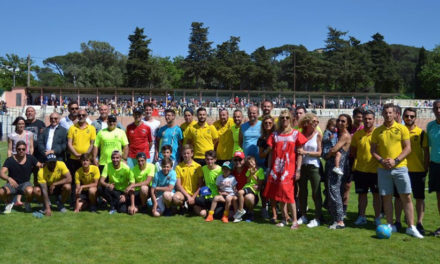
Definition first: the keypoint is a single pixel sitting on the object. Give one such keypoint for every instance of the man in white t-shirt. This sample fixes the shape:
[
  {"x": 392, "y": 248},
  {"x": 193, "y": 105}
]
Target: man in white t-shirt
[{"x": 154, "y": 125}]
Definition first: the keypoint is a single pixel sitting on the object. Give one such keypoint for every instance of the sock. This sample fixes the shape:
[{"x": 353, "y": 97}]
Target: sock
[
  {"x": 211, "y": 212},
  {"x": 226, "y": 213}
]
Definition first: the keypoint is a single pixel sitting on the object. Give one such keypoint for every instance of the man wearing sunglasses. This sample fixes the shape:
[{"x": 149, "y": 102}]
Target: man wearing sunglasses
[
  {"x": 80, "y": 139},
  {"x": 418, "y": 162},
  {"x": 72, "y": 118},
  {"x": 16, "y": 171},
  {"x": 53, "y": 140}
]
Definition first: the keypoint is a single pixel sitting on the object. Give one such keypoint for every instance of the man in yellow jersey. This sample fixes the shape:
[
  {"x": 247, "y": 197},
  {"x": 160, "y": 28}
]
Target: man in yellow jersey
[
  {"x": 188, "y": 173},
  {"x": 188, "y": 115},
  {"x": 202, "y": 136},
  {"x": 390, "y": 145},
  {"x": 225, "y": 141},
  {"x": 80, "y": 139},
  {"x": 418, "y": 162},
  {"x": 54, "y": 179},
  {"x": 365, "y": 169}
]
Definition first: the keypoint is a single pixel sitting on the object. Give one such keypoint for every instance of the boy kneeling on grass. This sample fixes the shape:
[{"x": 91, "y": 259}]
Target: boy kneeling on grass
[
  {"x": 86, "y": 180},
  {"x": 162, "y": 189},
  {"x": 226, "y": 184}
]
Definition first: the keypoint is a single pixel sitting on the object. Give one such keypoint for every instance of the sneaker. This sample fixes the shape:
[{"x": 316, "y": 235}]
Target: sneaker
[
  {"x": 294, "y": 226},
  {"x": 112, "y": 211},
  {"x": 313, "y": 223},
  {"x": 61, "y": 207},
  {"x": 225, "y": 219},
  {"x": 250, "y": 217},
  {"x": 340, "y": 226},
  {"x": 333, "y": 226},
  {"x": 338, "y": 171},
  {"x": 421, "y": 229},
  {"x": 302, "y": 220},
  {"x": 437, "y": 232},
  {"x": 393, "y": 228},
  {"x": 8, "y": 208},
  {"x": 27, "y": 207},
  {"x": 237, "y": 220},
  {"x": 398, "y": 226},
  {"x": 209, "y": 218},
  {"x": 93, "y": 208},
  {"x": 412, "y": 231},
  {"x": 264, "y": 213},
  {"x": 377, "y": 221},
  {"x": 239, "y": 213},
  {"x": 361, "y": 220}
]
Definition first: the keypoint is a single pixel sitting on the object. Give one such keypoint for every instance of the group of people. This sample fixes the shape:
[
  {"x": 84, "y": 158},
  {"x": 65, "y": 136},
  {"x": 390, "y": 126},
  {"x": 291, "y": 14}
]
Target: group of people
[{"x": 222, "y": 170}]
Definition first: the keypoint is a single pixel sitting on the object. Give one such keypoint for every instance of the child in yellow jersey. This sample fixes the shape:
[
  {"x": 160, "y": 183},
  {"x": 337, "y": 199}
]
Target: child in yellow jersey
[{"x": 86, "y": 180}]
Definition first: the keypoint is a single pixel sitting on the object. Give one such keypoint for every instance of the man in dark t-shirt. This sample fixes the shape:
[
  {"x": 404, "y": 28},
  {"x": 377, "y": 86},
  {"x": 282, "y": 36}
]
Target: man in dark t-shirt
[
  {"x": 36, "y": 127},
  {"x": 16, "y": 171}
]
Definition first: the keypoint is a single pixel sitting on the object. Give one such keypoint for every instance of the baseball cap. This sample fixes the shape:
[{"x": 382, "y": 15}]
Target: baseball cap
[
  {"x": 239, "y": 154},
  {"x": 111, "y": 118},
  {"x": 141, "y": 155},
  {"x": 205, "y": 191},
  {"x": 51, "y": 157},
  {"x": 227, "y": 164}
]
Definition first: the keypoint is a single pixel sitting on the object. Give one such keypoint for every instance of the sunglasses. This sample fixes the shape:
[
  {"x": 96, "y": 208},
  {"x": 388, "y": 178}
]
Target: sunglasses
[
  {"x": 74, "y": 108},
  {"x": 284, "y": 117},
  {"x": 268, "y": 123},
  {"x": 315, "y": 121},
  {"x": 82, "y": 115},
  {"x": 54, "y": 118},
  {"x": 237, "y": 159},
  {"x": 410, "y": 116},
  {"x": 21, "y": 149},
  {"x": 341, "y": 121}
]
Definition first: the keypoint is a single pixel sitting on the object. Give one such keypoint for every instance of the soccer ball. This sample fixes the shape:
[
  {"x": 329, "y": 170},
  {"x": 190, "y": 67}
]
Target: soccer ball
[{"x": 383, "y": 231}]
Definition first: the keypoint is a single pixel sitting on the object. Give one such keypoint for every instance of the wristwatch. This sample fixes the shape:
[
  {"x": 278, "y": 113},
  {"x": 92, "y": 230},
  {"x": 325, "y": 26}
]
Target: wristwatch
[{"x": 397, "y": 161}]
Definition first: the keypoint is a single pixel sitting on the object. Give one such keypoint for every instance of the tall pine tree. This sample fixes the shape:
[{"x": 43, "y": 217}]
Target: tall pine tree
[
  {"x": 138, "y": 64},
  {"x": 199, "y": 53}
]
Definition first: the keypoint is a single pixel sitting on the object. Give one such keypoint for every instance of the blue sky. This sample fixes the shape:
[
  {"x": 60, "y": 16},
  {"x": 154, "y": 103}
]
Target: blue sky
[{"x": 49, "y": 28}]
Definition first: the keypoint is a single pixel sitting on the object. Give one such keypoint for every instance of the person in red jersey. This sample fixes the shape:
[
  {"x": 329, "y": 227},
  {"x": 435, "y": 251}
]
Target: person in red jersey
[{"x": 139, "y": 136}]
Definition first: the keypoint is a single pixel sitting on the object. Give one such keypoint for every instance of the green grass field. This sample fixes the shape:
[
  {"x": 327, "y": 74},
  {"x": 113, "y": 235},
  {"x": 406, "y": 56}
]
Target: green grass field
[{"x": 102, "y": 238}]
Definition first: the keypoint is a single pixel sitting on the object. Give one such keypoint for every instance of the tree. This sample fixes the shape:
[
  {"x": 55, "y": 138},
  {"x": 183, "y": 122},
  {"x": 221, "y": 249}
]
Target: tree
[
  {"x": 418, "y": 87},
  {"x": 383, "y": 71},
  {"x": 199, "y": 53},
  {"x": 263, "y": 76},
  {"x": 97, "y": 65},
  {"x": 430, "y": 75},
  {"x": 138, "y": 66},
  {"x": 13, "y": 71}
]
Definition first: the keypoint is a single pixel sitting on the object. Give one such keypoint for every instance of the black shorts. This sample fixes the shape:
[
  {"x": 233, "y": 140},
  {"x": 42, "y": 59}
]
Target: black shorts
[
  {"x": 365, "y": 181},
  {"x": 434, "y": 177},
  {"x": 84, "y": 195},
  {"x": 137, "y": 198},
  {"x": 57, "y": 191},
  {"x": 418, "y": 180},
  {"x": 203, "y": 202},
  {"x": 20, "y": 188}
]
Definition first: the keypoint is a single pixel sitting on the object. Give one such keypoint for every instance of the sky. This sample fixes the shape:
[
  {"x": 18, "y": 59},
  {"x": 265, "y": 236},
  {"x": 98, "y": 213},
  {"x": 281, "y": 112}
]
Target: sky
[{"x": 49, "y": 28}]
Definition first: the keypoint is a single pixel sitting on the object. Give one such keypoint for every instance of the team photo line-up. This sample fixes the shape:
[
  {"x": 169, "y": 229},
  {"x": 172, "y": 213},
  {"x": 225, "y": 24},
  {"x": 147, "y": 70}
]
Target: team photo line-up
[{"x": 222, "y": 170}]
